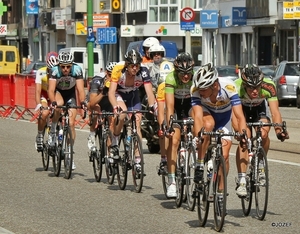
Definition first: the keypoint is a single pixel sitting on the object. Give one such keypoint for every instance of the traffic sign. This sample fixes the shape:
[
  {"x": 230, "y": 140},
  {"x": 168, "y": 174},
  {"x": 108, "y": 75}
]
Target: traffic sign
[
  {"x": 90, "y": 35},
  {"x": 187, "y": 14},
  {"x": 188, "y": 26},
  {"x": 107, "y": 35}
]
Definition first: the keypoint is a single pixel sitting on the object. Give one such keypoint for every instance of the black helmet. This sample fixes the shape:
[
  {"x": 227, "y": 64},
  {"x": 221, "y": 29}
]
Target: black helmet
[
  {"x": 133, "y": 57},
  {"x": 184, "y": 62},
  {"x": 252, "y": 75}
]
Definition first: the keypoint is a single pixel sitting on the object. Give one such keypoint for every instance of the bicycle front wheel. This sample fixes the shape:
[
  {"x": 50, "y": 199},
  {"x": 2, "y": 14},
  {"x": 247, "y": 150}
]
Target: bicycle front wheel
[
  {"x": 220, "y": 195},
  {"x": 67, "y": 151},
  {"x": 261, "y": 185},
  {"x": 123, "y": 164},
  {"x": 56, "y": 159},
  {"x": 189, "y": 181},
  {"x": 179, "y": 177},
  {"x": 97, "y": 155},
  {"x": 247, "y": 201},
  {"x": 45, "y": 153},
  {"x": 137, "y": 168},
  {"x": 109, "y": 165}
]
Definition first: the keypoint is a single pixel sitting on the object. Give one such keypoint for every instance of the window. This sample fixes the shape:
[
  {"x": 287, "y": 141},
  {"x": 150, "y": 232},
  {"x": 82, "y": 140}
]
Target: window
[
  {"x": 193, "y": 4},
  {"x": 10, "y": 56},
  {"x": 163, "y": 11},
  {"x": 136, "y": 5},
  {"x": 78, "y": 57}
]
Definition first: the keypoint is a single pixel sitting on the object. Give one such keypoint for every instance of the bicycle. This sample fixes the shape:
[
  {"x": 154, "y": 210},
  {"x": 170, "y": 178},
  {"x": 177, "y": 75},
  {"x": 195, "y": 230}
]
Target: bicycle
[
  {"x": 128, "y": 151},
  {"x": 257, "y": 178},
  {"x": 63, "y": 149},
  {"x": 99, "y": 155},
  {"x": 213, "y": 186},
  {"x": 185, "y": 163}
]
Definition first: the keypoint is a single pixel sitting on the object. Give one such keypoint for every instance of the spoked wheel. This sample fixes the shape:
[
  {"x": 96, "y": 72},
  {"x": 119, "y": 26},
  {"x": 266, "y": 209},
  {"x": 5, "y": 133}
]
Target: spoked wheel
[
  {"x": 179, "y": 177},
  {"x": 123, "y": 165},
  {"x": 165, "y": 183},
  {"x": 67, "y": 151},
  {"x": 97, "y": 157},
  {"x": 201, "y": 193},
  {"x": 109, "y": 166},
  {"x": 247, "y": 201},
  {"x": 137, "y": 168},
  {"x": 45, "y": 154},
  {"x": 56, "y": 159},
  {"x": 220, "y": 197},
  {"x": 261, "y": 185},
  {"x": 189, "y": 181}
]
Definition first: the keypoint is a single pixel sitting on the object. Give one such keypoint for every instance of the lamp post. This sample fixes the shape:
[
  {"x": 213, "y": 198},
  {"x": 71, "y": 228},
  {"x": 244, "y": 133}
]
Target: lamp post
[{"x": 90, "y": 44}]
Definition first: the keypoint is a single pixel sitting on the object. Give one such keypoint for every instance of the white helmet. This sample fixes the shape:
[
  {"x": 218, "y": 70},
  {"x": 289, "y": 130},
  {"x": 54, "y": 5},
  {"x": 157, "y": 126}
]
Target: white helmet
[
  {"x": 65, "y": 58},
  {"x": 157, "y": 48},
  {"x": 205, "y": 76},
  {"x": 148, "y": 42},
  {"x": 110, "y": 66}
]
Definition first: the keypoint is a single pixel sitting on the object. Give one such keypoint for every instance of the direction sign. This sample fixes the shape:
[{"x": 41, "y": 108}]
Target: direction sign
[
  {"x": 107, "y": 35},
  {"x": 187, "y": 14}
]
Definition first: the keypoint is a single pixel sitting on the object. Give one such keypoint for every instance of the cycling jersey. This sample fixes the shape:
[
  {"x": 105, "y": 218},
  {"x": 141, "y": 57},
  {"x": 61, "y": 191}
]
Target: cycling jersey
[
  {"x": 181, "y": 91},
  {"x": 118, "y": 76},
  {"x": 266, "y": 92},
  {"x": 160, "y": 94},
  {"x": 41, "y": 78},
  {"x": 221, "y": 110},
  {"x": 66, "y": 82}
]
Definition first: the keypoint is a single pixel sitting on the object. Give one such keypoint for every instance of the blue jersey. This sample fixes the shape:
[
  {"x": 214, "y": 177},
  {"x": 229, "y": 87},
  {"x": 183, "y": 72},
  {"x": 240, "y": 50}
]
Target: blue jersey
[{"x": 66, "y": 82}]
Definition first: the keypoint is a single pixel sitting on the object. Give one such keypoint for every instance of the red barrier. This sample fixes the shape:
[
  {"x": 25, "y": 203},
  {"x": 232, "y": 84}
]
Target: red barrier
[{"x": 6, "y": 93}]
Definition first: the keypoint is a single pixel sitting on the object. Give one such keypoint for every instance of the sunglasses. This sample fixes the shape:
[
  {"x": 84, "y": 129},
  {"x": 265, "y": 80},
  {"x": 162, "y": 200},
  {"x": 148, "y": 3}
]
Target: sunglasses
[
  {"x": 184, "y": 73},
  {"x": 252, "y": 87},
  {"x": 156, "y": 53},
  {"x": 108, "y": 73},
  {"x": 134, "y": 65},
  {"x": 65, "y": 66}
]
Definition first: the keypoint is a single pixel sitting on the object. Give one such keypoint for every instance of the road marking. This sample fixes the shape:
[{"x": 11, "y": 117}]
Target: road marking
[{"x": 284, "y": 162}]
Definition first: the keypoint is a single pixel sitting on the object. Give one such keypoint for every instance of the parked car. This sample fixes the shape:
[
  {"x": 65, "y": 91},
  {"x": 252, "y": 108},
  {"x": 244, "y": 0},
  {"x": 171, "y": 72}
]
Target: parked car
[
  {"x": 285, "y": 77},
  {"x": 268, "y": 70},
  {"x": 228, "y": 71},
  {"x": 298, "y": 94},
  {"x": 33, "y": 67}
]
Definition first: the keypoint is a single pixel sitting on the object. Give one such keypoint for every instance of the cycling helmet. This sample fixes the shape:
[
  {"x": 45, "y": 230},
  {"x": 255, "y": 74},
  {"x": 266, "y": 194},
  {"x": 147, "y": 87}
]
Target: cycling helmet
[
  {"x": 252, "y": 75},
  {"x": 110, "y": 66},
  {"x": 133, "y": 57},
  {"x": 65, "y": 58},
  {"x": 51, "y": 59},
  {"x": 157, "y": 48},
  {"x": 205, "y": 76},
  {"x": 184, "y": 62},
  {"x": 148, "y": 42}
]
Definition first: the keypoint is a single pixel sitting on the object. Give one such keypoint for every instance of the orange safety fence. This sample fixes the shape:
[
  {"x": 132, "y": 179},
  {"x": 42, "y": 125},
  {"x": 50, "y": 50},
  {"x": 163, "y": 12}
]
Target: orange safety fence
[{"x": 6, "y": 89}]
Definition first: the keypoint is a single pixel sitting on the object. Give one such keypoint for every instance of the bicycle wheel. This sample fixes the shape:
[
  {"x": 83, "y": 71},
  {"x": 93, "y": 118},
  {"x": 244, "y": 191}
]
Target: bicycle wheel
[
  {"x": 165, "y": 183},
  {"x": 261, "y": 185},
  {"x": 201, "y": 193},
  {"x": 56, "y": 159},
  {"x": 137, "y": 168},
  {"x": 189, "y": 181},
  {"x": 247, "y": 201},
  {"x": 123, "y": 163},
  {"x": 109, "y": 166},
  {"x": 67, "y": 151},
  {"x": 45, "y": 154},
  {"x": 98, "y": 155},
  {"x": 179, "y": 177},
  {"x": 220, "y": 195}
]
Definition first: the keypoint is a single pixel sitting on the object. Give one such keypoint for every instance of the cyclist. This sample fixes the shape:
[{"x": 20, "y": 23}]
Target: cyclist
[
  {"x": 177, "y": 97},
  {"x": 64, "y": 80},
  {"x": 127, "y": 76},
  {"x": 158, "y": 72},
  {"x": 259, "y": 98},
  {"x": 98, "y": 99},
  {"x": 41, "y": 96},
  {"x": 147, "y": 43},
  {"x": 213, "y": 102}
]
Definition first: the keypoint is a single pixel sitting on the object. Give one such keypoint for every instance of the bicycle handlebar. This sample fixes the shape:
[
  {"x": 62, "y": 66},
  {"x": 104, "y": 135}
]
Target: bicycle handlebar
[
  {"x": 221, "y": 133},
  {"x": 261, "y": 124},
  {"x": 66, "y": 107}
]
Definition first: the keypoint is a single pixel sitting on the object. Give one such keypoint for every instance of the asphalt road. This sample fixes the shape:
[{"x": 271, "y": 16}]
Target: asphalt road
[{"x": 35, "y": 201}]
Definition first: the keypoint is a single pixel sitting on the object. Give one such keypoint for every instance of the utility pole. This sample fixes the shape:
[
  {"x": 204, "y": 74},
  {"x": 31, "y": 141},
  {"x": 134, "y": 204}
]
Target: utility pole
[
  {"x": 90, "y": 43},
  {"x": 188, "y": 35}
]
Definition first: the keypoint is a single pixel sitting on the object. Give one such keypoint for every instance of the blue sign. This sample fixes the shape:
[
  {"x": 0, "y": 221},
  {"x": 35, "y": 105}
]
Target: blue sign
[
  {"x": 226, "y": 22},
  {"x": 209, "y": 19},
  {"x": 107, "y": 35},
  {"x": 90, "y": 35},
  {"x": 188, "y": 26},
  {"x": 239, "y": 16},
  {"x": 32, "y": 7}
]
